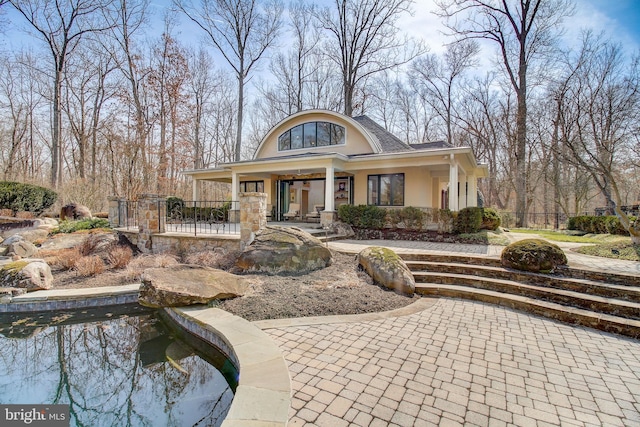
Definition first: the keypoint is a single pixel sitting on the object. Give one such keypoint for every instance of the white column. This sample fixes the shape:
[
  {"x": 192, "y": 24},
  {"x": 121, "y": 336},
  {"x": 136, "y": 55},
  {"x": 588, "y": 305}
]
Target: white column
[
  {"x": 196, "y": 189},
  {"x": 473, "y": 191},
  {"x": 328, "y": 189},
  {"x": 453, "y": 186},
  {"x": 234, "y": 186}
]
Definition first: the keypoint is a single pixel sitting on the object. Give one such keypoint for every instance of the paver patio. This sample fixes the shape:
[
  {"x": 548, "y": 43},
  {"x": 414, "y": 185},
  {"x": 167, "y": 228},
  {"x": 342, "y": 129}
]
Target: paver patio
[{"x": 457, "y": 362}]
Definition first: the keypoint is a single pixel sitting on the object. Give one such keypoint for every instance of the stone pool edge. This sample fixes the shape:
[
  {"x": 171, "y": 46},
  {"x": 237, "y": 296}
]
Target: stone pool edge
[{"x": 263, "y": 394}]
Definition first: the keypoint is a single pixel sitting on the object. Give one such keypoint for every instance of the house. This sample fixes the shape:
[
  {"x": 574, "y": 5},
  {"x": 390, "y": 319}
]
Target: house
[{"x": 319, "y": 159}]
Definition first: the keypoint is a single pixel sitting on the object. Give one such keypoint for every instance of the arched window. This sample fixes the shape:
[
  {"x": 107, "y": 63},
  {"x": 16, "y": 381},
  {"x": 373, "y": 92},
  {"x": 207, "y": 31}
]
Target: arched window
[{"x": 312, "y": 134}]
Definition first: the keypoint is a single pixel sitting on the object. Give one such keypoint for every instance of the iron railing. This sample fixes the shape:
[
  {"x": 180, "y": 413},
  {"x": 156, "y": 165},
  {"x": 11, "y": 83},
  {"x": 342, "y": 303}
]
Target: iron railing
[
  {"x": 127, "y": 214},
  {"x": 202, "y": 217}
]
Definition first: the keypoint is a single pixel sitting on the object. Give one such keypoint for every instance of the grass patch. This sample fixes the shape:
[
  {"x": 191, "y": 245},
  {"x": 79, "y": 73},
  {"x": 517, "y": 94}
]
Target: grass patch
[
  {"x": 71, "y": 226},
  {"x": 617, "y": 250},
  {"x": 602, "y": 245},
  {"x": 485, "y": 237}
]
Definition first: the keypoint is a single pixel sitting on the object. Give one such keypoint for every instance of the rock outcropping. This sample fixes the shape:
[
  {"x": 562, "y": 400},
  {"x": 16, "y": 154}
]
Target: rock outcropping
[
  {"x": 74, "y": 211},
  {"x": 188, "y": 284},
  {"x": 283, "y": 250},
  {"x": 387, "y": 269}
]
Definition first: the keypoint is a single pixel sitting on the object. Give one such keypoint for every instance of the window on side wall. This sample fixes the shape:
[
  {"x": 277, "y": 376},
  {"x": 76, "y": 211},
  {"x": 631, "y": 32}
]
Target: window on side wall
[{"x": 386, "y": 190}]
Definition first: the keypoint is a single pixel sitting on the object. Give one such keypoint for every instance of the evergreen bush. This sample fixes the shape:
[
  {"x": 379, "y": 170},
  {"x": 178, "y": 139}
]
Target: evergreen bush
[
  {"x": 21, "y": 197},
  {"x": 468, "y": 220}
]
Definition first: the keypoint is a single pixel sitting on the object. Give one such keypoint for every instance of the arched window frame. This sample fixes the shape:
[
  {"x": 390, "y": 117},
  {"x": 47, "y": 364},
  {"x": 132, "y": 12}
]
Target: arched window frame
[{"x": 306, "y": 135}]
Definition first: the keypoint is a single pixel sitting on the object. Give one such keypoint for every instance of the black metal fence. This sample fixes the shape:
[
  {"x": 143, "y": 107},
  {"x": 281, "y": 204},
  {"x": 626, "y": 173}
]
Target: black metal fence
[
  {"x": 185, "y": 216},
  {"x": 202, "y": 217},
  {"x": 544, "y": 220}
]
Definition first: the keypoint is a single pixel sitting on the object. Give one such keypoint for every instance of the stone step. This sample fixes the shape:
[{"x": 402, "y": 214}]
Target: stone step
[
  {"x": 567, "y": 272},
  {"x": 594, "y": 303},
  {"x": 591, "y": 287},
  {"x": 563, "y": 313}
]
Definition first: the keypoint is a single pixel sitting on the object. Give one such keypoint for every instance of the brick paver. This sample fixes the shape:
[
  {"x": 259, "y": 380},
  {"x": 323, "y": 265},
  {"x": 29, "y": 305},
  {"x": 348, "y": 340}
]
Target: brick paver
[{"x": 460, "y": 363}]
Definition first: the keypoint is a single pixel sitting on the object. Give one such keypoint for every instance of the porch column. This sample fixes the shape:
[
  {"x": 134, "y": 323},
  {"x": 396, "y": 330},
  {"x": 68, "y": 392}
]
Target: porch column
[
  {"x": 328, "y": 189},
  {"x": 196, "y": 189},
  {"x": 473, "y": 191},
  {"x": 234, "y": 186},
  {"x": 453, "y": 185},
  {"x": 328, "y": 215}
]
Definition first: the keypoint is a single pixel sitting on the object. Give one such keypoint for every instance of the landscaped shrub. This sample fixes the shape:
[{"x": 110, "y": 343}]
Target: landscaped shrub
[
  {"x": 65, "y": 259},
  {"x": 363, "y": 216},
  {"x": 408, "y": 217},
  {"x": 598, "y": 224},
  {"x": 25, "y": 197},
  {"x": 175, "y": 207},
  {"x": 71, "y": 226},
  {"x": 468, "y": 220},
  {"x": 490, "y": 219},
  {"x": 534, "y": 255}
]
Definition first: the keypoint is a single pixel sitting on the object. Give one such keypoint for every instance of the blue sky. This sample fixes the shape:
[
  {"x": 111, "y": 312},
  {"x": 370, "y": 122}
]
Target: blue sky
[{"x": 620, "y": 19}]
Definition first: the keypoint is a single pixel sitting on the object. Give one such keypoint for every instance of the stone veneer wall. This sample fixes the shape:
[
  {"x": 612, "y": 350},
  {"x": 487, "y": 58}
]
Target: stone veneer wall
[
  {"x": 185, "y": 243},
  {"x": 152, "y": 210},
  {"x": 253, "y": 216}
]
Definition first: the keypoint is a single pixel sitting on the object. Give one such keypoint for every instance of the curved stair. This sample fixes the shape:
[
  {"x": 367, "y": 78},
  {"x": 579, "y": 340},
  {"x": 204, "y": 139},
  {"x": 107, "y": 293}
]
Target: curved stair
[{"x": 605, "y": 301}]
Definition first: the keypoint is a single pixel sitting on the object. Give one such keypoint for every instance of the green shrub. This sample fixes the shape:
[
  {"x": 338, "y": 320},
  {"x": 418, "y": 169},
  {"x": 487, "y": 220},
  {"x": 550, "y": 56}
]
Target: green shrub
[
  {"x": 490, "y": 219},
  {"x": 412, "y": 218},
  {"x": 468, "y": 220},
  {"x": 175, "y": 206},
  {"x": 25, "y": 197},
  {"x": 534, "y": 255},
  {"x": 71, "y": 226},
  {"x": 363, "y": 216},
  {"x": 598, "y": 224}
]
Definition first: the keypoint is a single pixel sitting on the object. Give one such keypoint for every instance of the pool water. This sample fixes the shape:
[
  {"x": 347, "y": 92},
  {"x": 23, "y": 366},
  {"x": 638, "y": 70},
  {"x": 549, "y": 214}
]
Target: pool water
[{"x": 117, "y": 367}]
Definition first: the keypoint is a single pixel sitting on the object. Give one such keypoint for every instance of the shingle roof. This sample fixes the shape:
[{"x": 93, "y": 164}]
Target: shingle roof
[
  {"x": 431, "y": 145},
  {"x": 388, "y": 141}
]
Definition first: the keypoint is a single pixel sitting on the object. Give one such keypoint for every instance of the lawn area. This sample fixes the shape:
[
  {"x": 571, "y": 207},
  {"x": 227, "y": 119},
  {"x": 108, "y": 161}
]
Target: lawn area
[{"x": 603, "y": 245}]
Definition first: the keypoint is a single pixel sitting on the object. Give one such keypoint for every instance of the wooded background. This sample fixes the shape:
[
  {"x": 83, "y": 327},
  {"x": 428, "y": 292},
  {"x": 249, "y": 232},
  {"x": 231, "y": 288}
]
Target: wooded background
[{"x": 95, "y": 105}]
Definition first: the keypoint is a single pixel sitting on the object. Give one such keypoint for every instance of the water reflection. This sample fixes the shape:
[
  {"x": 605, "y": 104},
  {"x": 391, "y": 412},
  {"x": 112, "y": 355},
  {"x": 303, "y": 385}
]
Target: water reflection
[{"x": 126, "y": 370}]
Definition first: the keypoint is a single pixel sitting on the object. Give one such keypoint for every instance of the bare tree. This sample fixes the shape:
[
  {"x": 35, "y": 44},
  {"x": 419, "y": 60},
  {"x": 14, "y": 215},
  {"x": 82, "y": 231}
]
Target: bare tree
[
  {"x": 61, "y": 25},
  {"x": 437, "y": 78},
  {"x": 363, "y": 41},
  {"x": 600, "y": 106},
  {"x": 524, "y": 31},
  {"x": 242, "y": 31}
]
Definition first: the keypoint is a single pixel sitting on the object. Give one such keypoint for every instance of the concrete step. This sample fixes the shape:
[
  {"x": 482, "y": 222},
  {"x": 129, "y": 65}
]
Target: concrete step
[
  {"x": 594, "y": 303},
  {"x": 563, "y": 313},
  {"x": 587, "y": 286}
]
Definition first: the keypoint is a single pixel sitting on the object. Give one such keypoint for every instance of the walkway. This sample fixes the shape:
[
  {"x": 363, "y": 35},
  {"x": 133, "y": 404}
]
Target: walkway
[{"x": 456, "y": 362}]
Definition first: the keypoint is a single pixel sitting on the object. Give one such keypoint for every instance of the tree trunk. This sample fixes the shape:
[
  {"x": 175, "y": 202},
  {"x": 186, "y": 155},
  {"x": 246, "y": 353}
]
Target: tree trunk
[
  {"x": 521, "y": 142},
  {"x": 239, "y": 119}
]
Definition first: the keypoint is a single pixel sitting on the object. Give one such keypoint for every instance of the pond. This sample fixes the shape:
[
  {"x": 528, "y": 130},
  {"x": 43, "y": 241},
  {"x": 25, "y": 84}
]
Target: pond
[{"x": 115, "y": 367}]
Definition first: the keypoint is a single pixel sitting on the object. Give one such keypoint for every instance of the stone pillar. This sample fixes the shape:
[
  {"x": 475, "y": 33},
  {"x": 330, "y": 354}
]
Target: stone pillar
[
  {"x": 327, "y": 218},
  {"x": 116, "y": 211},
  {"x": 253, "y": 216},
  {"x": 152, "y": 212}
]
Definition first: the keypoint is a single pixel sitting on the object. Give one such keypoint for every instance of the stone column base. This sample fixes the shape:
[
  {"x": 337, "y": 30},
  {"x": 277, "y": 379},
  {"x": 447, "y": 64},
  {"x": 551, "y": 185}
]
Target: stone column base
[{"x": 327, "y": 218}]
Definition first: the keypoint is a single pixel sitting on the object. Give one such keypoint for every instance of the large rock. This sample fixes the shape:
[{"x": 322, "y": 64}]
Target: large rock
[
  {"x": 536, "y": 255},
  {"x": 22, "y": 248},
  {"x": 387, "y": 269},
  {"x": 188, "y": 284},
  {"x": 74, "y": 211},
  {"x": 29, "y": 274},
  {"x": 284, "y": 250}
]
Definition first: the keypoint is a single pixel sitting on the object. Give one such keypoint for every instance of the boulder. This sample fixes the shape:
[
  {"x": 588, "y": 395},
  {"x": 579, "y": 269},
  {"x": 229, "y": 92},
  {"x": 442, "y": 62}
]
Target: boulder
[
  {"x": 21, "y": 248},
  {"x": 74, "y": 211},
  {"x": 29, "y": 274},
  {"x": 536, "y": 255},
  {"x": 12, "y": 239},
  {"x": 387, "y": 269},
  {"x": 186, "y": 284},
  {"x": 283, "y": 250}
]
